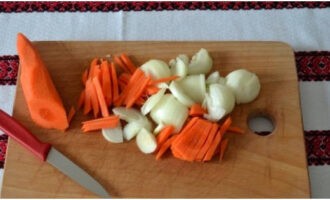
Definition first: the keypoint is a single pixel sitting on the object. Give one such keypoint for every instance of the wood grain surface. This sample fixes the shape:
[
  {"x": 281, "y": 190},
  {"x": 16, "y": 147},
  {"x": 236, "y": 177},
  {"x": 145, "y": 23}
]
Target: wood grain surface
[{"x": 253, "y": 166}]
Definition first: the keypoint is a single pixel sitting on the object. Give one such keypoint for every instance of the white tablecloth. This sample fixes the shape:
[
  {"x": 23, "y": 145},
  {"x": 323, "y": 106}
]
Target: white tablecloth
[{"x": 304, "y": 29}]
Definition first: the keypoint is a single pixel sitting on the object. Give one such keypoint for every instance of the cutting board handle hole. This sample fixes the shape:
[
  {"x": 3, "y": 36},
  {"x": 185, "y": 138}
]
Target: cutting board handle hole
[{"x": 261, "y": 124}]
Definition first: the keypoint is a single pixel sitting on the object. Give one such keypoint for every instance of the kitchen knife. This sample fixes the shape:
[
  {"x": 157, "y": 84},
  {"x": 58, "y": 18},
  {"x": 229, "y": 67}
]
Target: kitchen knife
[{"x": 48, "y": 153}]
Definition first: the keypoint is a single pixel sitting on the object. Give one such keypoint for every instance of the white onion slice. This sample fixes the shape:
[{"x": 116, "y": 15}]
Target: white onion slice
[
  {"x": 152, "y": 101},
  {"x": 178, "y": 67},
  {"x": 179, "y": 94},
  {"x": 159, "y": 128},
  {"x": 194, "y": 86},
  {"x": 114, "y": 135},
  {"x": 170, "y": 111},
  {"x": 131, "y": 129},
  {"x": 131, "y": 114},
  {"x": 156, "y": 69},
  {"x": 244, "y": 84},
  {"x": 146, "y": 141},
  {"x": 213, "y": 78},
  {"x": 214, "y": 112},
  {"x": 201, "y": 63},
  {"x": 222, "y": 96}
]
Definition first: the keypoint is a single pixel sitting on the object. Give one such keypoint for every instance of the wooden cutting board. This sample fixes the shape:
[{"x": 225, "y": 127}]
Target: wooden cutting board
[{"x": 253, "y": 166}]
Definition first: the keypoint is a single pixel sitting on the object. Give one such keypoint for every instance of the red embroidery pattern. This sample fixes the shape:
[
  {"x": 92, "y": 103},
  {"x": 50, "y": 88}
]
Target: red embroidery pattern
[
  {"x": 3, "y": 148},
  {"x": 8, "y": 70},
  {"x": 68, "y": 6},
  {"x": 318, "y": 147},
  {"x": 313, "y": 66}
]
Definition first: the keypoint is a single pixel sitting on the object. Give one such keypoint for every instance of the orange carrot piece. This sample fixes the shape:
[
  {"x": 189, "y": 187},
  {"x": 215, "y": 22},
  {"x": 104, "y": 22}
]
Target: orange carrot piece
[
  {"x": 120, "y": 63},
  {"x": 81, "y": 99},
  {"x": 162, "y": 80},
  {"x": 93, "y": 65},
  {"x": 90, "y": 89},
  {"x": 87, "y": 102},
  {"x": 115, "y": 88},
  {"x": 125, "y": 77},
  {"x": 43, "y": 101},
  {"x": 164, "y": 134},
  {"x": 71, "y": 113},
  {"x": 84, "y": 77},
  {"x": 137, "y": 93},
  {"x": 151, "y": 89},
  {"x": 211, "y": 135},
  {"x": 121, "y": 85},
  {"x": 140, "y": 101},
  {"x": 164, "y": 147},
  {"x": 196, "y": 110},
  {"x": 106, "y": 82},
  {"x": 234, "y": 129},
  {"x": 106, "y": 122},
  {"x": 100, "y": 97},
  {"x": 210, "y": 152},
  {"x": 129, "y": 64},
  {"x": 226, "y": 124},
  {"x": 223, "y": 147}
]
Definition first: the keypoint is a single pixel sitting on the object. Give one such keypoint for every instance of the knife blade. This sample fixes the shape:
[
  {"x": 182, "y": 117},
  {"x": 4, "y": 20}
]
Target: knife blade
[{"x": 46, "y": 152}]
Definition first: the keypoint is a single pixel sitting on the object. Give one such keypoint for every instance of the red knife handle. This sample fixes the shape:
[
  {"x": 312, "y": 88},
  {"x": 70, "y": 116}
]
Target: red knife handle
[{"x": 21, "y": 135}]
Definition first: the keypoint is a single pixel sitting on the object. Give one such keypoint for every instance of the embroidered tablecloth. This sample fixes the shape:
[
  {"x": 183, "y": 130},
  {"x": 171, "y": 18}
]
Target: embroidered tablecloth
[{"x": 303, "y": 25}]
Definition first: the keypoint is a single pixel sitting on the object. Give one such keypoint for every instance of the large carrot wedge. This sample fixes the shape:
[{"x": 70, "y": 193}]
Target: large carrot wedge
[{"x": 43, "y": 101}]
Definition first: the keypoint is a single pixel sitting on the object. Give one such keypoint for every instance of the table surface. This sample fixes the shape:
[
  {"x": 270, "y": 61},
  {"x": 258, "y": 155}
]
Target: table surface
[{"x": 305, "y": 29}]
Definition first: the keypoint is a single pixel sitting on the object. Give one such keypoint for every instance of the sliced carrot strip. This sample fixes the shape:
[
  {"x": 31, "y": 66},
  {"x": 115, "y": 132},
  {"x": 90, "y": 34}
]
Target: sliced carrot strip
[
  {"x": 71, "y": 113},
  {"x": 88, "y": 102},
  {"x": 151, "y": 89},
  {"x": 197, "y": 110},
  {"x": 234, "y": 129},
  {"x": 121, "y": 85},
  {"x": 106, "y": 82},
  {"x": 223, "y": 147},
  {"x": 125, "y": 77},
  {"x": 105, "y": 122},
  {"x": 93, "y": 65},
  {"x": 129, "y": 64},
  {"x": 115, "y": 89},
  {"x": 81, "y": 99},
  {"x": 162, "y": 80},
  {"x": 100, "y": 97},
  {"x": 167, "y": 144},
  {"x": 93, "y": 97},
  {"x": 164, "y": 134},
  {"x": 120, "y": 63},
  {"x": 211, "y": 135},
  {"x": 84, "y": 77},
  {"x": 226, "y": 124},
  {"x": 137, "y": 93},
  {"x": 210, "y": 152}
]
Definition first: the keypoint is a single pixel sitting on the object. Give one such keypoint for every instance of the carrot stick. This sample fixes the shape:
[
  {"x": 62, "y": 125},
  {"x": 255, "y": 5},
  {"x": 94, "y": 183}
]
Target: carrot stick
[
  {"x": 43, "y": 101},
  {"x": 125, "y": 77},
  {"x": 223, "y": 147},
  {"x": 115, "y": 92},
  {"x": 81, "y": 99},
  {"x": 138, "y": 92},
  {"x": 129, "y": 64},
  {"x": 107, "y": 122},
  {"x": 102, "y": 119},
  {"x": 71, "y": 113},
  {"x": 106, "y": 82},
  {"x": 93, "y": 65},
  {"x": 88, "y": 101},
  {"x": 196, "y": 110},
  {"x": 84, "y": 77},
  {"x": 93, "y": 97},
  {"x": 211, "y": 135},
  {"x": 121, "y": 85},
  {"x": 164, "y": 147},
  {"x": 226, "y": 124},
  {"x": 234, "y": 129},
  {"x": 210, "y": 152},
  {"x": 164, "y": 134},
  {"x": 151, "y": 89},
  {"x": 120, "y": 63},
  {"x": 161, "y": 80},
  {"x": 100, "y": 97}
]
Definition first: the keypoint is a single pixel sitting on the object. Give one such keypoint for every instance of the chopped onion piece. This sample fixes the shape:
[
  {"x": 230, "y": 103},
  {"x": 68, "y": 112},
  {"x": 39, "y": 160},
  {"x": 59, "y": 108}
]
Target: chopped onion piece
[
  {"x": 159, "y": 127},
  {"x": 131, "y": 114},
  {"x": 170, "y": 112},
  {"x": 244, "y": 84},
  {"x": 222, "y": 96},
  {"x": 213, "y": 78},
  {"x": 201, "y": 63},
  {"x": 162, "y": 85},
  {"x": 146, "y": 141},
  {"x": 194, "y": 86},
  {"x": 131, "y": 130},
  {"x": 179, "y": 94},
  {"x": 152, "y": 101},
  {"x": 156, "y": 69},
  {"x": 114, "y": 135},
  {"x": 178, "y": 67},
  {"x": 222, "y": 81},
  {"x": 214, "y": 112}
]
